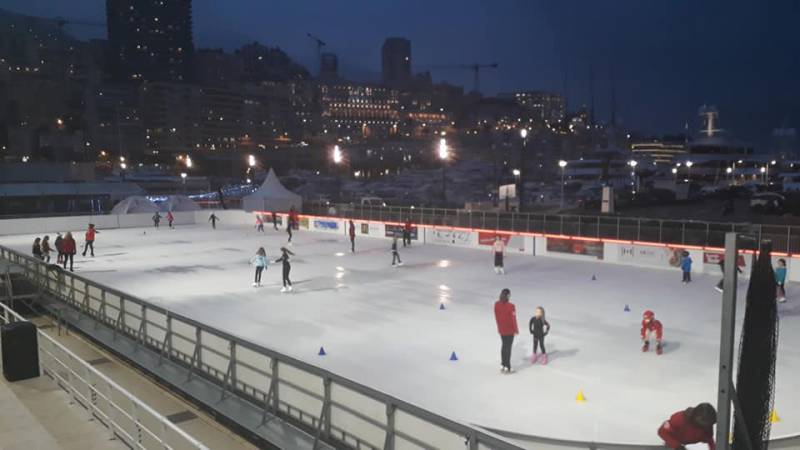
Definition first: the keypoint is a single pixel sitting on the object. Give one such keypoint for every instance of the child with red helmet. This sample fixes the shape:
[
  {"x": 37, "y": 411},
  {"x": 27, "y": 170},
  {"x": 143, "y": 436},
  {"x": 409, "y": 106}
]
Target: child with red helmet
[{"x": 651, "y": 328}]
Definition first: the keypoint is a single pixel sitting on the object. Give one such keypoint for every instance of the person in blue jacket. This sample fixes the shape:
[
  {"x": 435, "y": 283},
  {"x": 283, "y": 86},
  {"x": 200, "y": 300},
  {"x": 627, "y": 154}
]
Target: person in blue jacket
[
  {"x": 260, "y": 261},
  {"x": 780, "y": 279},
  {"x": 686, "y": 267}
]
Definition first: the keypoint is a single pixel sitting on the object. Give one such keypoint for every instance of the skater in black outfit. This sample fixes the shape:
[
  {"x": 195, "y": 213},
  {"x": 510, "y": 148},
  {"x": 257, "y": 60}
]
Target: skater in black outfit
[
  {"x": 287, "y": 267},
  {"x": 352, "y": 232},
  {"x": 274, "y": 220},
  {"x": 395, "y": 256},
  {"x": 37, "y": 248},
  {"x": 213, "y": 219},
  {"x": 539, "y": 327},
  {"x": 289, "y": 228},
  {"x": 156, "y": 219},
  {"x": 46, "y": 249},
  {"x": 722, "y": 268}
]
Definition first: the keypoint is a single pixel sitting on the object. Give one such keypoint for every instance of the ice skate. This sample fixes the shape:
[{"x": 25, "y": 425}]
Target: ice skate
[
  {"x": 290, "y": 289},
  {"x": 502, "y": 271},
  {"x": 510, "y": 370},
  {"x": 255, "y": 284},
  {"x": 646, "y": 346},
  {"x": 283, "y": 289},
  {"x": 659, "y": 349},
  {"x": 544, "y": 359},
  {"x": 399, "y": 264},
  {"x": 534, "y": 357},
  {"x": 502, "y": 369},
  {"x": 782, "y": 300},
  {"x": 718, "y": 288}
]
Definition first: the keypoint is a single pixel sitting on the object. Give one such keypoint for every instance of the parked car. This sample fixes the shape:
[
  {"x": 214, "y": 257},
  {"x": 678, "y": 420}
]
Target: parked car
[{"x": 767, "y": 203}]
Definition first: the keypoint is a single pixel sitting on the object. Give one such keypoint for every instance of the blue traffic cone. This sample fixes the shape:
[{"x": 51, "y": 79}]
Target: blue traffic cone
[
  {"x": 441, "y": 306},
  {"x": 594, "y": 278},
  {"x": 453, "y": 356},
  {"x": 627, "y": 308},
  {"x": 322, "y": 351}
]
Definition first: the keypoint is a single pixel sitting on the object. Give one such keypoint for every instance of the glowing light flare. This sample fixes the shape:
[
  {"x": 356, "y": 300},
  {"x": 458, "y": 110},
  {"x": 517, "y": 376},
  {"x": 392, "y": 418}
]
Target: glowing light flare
[
  {"x": 337, "y": 154},
  {"x": 443, "y": 263},
  {"x": 251, "y": 160},
  {"x": 443, "y": 151}
]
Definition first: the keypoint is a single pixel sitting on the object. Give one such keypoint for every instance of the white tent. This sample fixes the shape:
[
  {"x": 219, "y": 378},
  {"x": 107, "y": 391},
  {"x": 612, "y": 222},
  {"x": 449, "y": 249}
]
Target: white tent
[
  {"x": 272, "y": 196},
  {"x": 134, "y": 204},
  {"x": 177, "y": 203}
]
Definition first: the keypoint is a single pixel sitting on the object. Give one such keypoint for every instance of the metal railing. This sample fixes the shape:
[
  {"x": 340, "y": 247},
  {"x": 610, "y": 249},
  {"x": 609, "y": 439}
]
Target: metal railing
[
  {"x": 785, "y": 238},
  {"x": 125, "y": 416}
]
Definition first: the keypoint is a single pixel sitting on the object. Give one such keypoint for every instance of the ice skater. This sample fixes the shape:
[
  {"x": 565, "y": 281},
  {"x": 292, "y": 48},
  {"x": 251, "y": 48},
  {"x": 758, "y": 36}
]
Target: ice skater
[
  {"x": 287, "y": 267},
  {"x": 780, "y": 278},
  {"x": 722, "y": 269},
  {"x": 156, "y": 219},
  {"x": 686, "y": 267},
  {"x": 69, "y": 248},
  {"x": 289, "y": 228},
  {"x": 651, "y": 328},
  {"x": 213, "y": 219},
  {"x": 499, "y": 249},
  {"x": 90, "y": 235},
  {"x": 690, "y": 426},
  {"x": 505, "y": 315},
  {"x": 275, "y": 220},
  {"x": 46, "y": 249},
  {"x": 259, "y": 223},
  {"x": 260, "y": 261},
  {"x": 395, "y": 255},
  {"x": 59, "y": 248},
  {"x": 407, "y": 233},
  {"x": 37, "y": 248},
  {"x": 352, "y": 232},
  {"x": 539, "y": 327},
  {"x": 170, "y": 219}
]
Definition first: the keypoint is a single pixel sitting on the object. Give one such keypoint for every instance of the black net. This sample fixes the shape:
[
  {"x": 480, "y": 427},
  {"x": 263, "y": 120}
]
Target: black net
[{"x": 755, "y": 382}]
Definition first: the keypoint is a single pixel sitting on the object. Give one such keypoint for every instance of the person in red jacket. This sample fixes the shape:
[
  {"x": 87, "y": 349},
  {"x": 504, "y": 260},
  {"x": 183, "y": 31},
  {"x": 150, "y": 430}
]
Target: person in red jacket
[
  {"x": 352, "y": 237},
  {"x": 68, "y": 247},
  {"x": 690, "y": 426},
  {"x": 505, "y": 314},
  {"x": 170, "y": 219},
  {"x": 651, "y": 328},
  {"x": 90, "y": 232},
  {"x": 407, "y": 233}
]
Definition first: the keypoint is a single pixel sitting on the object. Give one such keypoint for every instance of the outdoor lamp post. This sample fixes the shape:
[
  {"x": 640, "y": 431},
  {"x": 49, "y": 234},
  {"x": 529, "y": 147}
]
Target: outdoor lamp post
[
  {"x": 675, "y": 175},
  {"x": 562, "y": 164},
  {"x": 337, "y": 161},
  {"x": 635, "y": 183},
  {"x": 729, "y": 171},
  {"x": 444, "y": 154},
  {"x": 763, "y": 174},
  {"x": 523, "y": 133},
  {"x": 689, "y": 165}
]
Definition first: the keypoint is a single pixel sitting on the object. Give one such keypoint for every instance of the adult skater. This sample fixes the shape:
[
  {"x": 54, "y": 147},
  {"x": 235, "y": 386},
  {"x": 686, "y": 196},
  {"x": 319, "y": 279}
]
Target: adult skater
[
  {"x": 259, "y": 223},
  {"x": 57, "y": 244},
  {"x": 213, "y": 219},
  {"x": 395, "y": 255},
  {"x": 156, "y": 219},
  {"x": 505, "y": 314},
  {"x": 294, "y": 218},
  {"x": 352, "y": 232},
  {"x": 287, "y": 267},
  {"x": 90, "y": 235},
  {"x": 690, "y": 426},
  {"x": 722, "y": 269},
  {"x": 651, "y": 328},
  {"x": 275, "y": 220},
  {"x": 260, "y": 261},
  {"x": 289, "y": 228},
  {"x": 499, "y": 249},
  {"x": 780, "y": 279},
  {"x": 170, "y": 219},
  {"x": 69, "y": 248},
  {"x": 539, "y": 327},
  {"x": 686, "y": 267},
  {"x": 37, "y": 248},
  {"x": 407, "y": 233},
  {"x": 46, "y": 249}
]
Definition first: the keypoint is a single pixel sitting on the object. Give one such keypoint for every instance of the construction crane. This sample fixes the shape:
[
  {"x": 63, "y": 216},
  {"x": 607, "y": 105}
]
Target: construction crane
[
  {"x": 474, "y": 67},
  {"x": 320, "y": 43}
]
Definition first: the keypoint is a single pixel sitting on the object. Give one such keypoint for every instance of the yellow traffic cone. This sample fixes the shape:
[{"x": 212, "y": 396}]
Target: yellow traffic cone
[
  {"x": 580, "y": 398},
  {"x": 773, "y": 417}
]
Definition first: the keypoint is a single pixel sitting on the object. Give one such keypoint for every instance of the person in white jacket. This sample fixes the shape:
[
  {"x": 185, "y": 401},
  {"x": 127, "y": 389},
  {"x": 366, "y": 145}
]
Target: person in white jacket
[{"x": 499, "y": 249}]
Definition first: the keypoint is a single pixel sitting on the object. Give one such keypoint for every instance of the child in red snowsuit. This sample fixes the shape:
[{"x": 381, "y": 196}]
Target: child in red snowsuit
[
  {"x": 690, "y": 426},
  {"x": 651, "y": 328}
]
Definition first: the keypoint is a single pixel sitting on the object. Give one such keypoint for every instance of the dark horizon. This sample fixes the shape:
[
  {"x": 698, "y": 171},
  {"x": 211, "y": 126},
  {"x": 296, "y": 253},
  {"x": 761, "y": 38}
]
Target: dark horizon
[{"x": 665, "y": 60}]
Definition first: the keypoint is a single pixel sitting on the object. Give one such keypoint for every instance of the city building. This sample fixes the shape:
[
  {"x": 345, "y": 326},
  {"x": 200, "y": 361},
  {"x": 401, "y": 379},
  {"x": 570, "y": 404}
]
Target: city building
[
  {"x": 262, "y": 63},
  {"x": 358, "y": 110},
  {"x": 663, "y": 152},
  {"x": 544, "y": 106},
  {"x": 150, "y": 40},
  {"x": 396, "y": 59},
  {"x": 216, "y": 67},
  {"x": 329, "y": 66},
  {"x": 114, "y": 125}
]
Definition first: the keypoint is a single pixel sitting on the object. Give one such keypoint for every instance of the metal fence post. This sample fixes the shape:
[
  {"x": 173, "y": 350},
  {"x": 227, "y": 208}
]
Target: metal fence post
[
  {"x": 388, "y": 443},
  {"x": 788, "y": 239},
  {"x": 326, "y": 408},
  {"x": 618, "y": 221},
  {"x": 660, "y": 226},
  {"x": 638, "y": 229},
  {"x": 579, "y": 226},
  {"x": 598, "y": 227},
  {"x": 683, "y": 232}
]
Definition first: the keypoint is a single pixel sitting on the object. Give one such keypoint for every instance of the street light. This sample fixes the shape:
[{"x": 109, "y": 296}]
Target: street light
[
  {"x": 251, "y": 160},
  {"x": 337, "y": 154},
  {"x": 689, "y": 165},
  {"x": 563, "y": 165},
  {"x": 675, "y": 174},
  {"x": 337, "y": 160},
  {"x": 633, "y": 164},
  {"x": 515, "y": 172},
  {"x": 444, "y": 153},
  {"x": 763, "y": 174},
  {"x": 188, "y": 162},
  {"x": 523, "y": 133}
]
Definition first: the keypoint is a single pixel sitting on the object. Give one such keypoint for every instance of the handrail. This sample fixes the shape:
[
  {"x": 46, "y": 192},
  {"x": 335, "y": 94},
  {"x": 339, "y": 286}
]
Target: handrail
[{"x": 75, "y": 381}]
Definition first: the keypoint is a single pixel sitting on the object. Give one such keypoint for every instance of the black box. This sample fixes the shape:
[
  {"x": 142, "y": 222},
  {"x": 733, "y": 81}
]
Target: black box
[{"x": 20, "y": 351}]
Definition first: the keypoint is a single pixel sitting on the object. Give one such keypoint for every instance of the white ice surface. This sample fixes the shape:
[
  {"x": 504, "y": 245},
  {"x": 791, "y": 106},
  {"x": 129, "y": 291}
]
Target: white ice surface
[{"x": 382, "y": 327}]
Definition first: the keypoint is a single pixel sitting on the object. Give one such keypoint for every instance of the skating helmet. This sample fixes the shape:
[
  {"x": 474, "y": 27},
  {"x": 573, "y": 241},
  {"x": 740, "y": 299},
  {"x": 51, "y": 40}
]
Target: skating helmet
[{"x": 649, "y": 315}]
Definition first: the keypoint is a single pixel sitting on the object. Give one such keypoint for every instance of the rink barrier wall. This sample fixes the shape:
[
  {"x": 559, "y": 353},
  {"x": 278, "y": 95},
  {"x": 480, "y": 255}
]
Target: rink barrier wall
[{"x": 336, "y": 410}]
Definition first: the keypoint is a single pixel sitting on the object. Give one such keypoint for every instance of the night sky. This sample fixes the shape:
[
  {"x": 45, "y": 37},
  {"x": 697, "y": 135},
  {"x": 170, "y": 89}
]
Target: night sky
[{"x": 667, "y": 57}]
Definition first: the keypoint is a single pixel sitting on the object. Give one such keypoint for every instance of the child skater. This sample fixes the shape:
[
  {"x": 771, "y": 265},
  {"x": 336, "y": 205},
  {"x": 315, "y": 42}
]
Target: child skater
[
  {"x": 287, "y": 267},
  {"x": 260, "y": 261},
  {"x": 289, "y": 228},
  {"x": 780, "y": 277},
  {"x": 156, "y": 219},
  {"x": 651, "y": 328},
  {"x": 352, "y": 232},
  {"x": 499, "y": 248},
  {"x": 259, "y": 223},
  {"x": 170, "y": 219},
  {"x": 46, "y": 249},
  {"x": 539, "y": 327},
  {"x": 686, "y": 267},
  {"x": 395, "y": 256}
]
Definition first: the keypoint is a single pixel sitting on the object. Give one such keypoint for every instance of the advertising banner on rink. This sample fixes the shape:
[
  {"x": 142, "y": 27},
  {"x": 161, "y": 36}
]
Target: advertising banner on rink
[
  {"x": 326, "y": 225},
  {"x": 397, "y": 230},
  {"x": 512, "y": 242},
  {"x": 304, "y": 223},
  {"x": 716, "y": 257},
  {"x": 575, "y": 247},
  {"x": 650, "y": 255},
  {"x": 449, "y": 237}
]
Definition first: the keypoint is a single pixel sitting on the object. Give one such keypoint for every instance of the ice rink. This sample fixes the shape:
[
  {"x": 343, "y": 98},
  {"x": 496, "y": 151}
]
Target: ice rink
[{"x": 382, "y": 326}]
